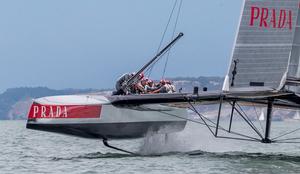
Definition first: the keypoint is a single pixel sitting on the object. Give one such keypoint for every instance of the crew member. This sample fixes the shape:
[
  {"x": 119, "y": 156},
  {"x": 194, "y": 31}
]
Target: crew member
[
  {"x": 165, "y": 87},
  {"x": 141, "y": 86},
  {"x": 150, "y": 86},
  {"x": 171, "y": 87}
]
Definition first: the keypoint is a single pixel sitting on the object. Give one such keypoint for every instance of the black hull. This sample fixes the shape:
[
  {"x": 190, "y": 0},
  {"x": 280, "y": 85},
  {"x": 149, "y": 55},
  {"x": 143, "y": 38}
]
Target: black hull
[{"x": 109, "y": 130}]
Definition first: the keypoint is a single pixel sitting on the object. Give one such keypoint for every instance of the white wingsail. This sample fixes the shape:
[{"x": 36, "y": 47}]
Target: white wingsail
[{"x": 267, "y": 50}]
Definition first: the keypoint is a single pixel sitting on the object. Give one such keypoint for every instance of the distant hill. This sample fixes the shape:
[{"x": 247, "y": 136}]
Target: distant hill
[
  {"x": 188, "y": 83},
  {"x": 14, "y": 102}
]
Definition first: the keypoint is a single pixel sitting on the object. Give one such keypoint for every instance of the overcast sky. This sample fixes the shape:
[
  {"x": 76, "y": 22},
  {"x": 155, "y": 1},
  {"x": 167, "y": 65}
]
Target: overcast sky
[{"x": 89, "y": 43}]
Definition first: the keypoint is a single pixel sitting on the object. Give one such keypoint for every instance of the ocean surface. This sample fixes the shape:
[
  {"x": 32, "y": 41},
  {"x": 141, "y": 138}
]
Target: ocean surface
[{"x": 194, "y": 150}]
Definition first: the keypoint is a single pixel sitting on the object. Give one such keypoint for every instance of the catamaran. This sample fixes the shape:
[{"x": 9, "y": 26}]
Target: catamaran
[{"x": 264, "y": 70}]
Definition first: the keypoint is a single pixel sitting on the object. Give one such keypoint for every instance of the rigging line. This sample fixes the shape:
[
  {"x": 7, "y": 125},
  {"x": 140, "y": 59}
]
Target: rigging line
[
  {"x": 285, "y": 134},
  {"x": 164, "y": 33},
  {"x": 241, "y": 139},
  {"x": 160, "y": 56},
  {"x": 248, "y": 118},
  {"x": 196, "y": 111},
  {"x": 249, "y": 123},
  {"x": 288, "y": 142},
  {"x": 210, "y": 126},
  {"x": 177, "y": 116},
  {"x": 167, "y": 26},
  {"x": 150, "y": 67},
  {"x": 202, "y": 117},
  {"x": 261, "y": 126},
  {"x": 209, "y": 120},
  {"x": 174, "y": 29},
  {"x": 244, "y": 115},
  {"x": 287, "y": 139},
  {"x": 199, "y": 114},
  {"x": 183, "y": 118},
  {"x": 241, "y": 109},
  {"x": 187, "y": 119}
]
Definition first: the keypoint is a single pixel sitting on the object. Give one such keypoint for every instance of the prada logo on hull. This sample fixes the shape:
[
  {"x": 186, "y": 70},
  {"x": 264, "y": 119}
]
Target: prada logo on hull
[
  {"x": 50, "y": 111},
  {"x": 64, "y": 111}
]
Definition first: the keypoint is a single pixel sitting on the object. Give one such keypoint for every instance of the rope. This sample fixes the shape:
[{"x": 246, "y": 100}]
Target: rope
[
  {"x": 149, "y": 70},
  {"x": 285, "y": 134},
  {"x": 209, "y": 126},
  {"x": 247, "y": 119},
  {"x": 163, "y": 37},
  {"x": 174, "y": 29},
  {"x": 167, "y": 26}
]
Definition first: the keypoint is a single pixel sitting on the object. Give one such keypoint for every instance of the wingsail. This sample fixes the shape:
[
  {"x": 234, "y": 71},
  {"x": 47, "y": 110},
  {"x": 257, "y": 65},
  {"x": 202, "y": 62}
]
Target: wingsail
[
  {"x": 267, "y": 47},
  {"x": 293, "y": 79}
]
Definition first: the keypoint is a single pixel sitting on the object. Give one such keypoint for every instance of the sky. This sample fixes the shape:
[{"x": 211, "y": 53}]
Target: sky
[{"x": 90, "y": 43}]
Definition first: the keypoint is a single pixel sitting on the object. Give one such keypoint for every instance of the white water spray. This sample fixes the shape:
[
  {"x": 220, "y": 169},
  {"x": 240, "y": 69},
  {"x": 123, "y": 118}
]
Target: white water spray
[{"x": 194, "y": 137}]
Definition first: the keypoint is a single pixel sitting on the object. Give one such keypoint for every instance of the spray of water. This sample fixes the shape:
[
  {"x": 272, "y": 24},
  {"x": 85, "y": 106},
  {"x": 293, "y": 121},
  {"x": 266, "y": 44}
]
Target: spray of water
[{"x": 194, "y": 137}]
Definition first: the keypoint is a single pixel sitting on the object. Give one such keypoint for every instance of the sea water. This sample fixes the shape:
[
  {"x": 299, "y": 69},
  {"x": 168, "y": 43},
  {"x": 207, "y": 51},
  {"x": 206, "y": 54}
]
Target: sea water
[{"x": 194, "y": 150}]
